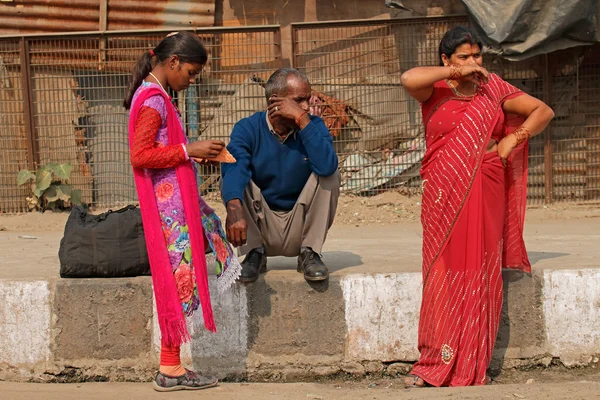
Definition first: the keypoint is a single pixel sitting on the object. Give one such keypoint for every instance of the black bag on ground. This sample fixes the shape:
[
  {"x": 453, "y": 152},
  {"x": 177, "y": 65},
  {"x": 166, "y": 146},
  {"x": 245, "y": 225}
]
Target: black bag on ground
[{"x": 103, "y": 246}]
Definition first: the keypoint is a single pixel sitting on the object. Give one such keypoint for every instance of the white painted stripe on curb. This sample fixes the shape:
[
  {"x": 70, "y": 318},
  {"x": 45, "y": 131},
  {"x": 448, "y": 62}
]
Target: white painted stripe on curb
[
  {"x": 231, "y": 339},
  {"x": 382, "y": 316},
  {"x": 572, "y": 312},
  {"x": 24, "y": 322}
]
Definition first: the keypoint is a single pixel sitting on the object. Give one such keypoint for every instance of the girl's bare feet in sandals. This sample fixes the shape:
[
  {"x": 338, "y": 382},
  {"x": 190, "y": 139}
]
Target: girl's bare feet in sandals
[{"x": 413, "y": 381}]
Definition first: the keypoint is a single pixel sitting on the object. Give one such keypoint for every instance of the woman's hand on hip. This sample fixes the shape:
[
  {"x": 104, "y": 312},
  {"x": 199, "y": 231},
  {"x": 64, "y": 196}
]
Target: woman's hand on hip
[
  {"x": 205, "y": 149},
  {"x": 506, "y": 147}
]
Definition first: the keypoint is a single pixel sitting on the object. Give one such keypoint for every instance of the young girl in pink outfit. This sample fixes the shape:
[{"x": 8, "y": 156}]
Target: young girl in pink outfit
[{"x": 179, "y": 226}]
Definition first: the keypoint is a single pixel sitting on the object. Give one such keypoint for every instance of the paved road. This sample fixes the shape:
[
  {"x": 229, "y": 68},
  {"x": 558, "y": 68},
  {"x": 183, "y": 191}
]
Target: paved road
[
  {"x": 349, "y": 249},
  {"x": 572, "y": 390}
]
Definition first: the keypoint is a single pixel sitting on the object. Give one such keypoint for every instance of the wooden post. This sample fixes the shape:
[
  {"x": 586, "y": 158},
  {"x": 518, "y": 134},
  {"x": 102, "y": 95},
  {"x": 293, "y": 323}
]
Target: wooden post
[
  {"x": 102, "y": 27},
  {"x": 295, "y": 46},
  {"x": 32, "y": 145},
  {"x": 277, "y": 44},
  {"x": 548, "y": 157},
  {"x": 103, "y": 23}
]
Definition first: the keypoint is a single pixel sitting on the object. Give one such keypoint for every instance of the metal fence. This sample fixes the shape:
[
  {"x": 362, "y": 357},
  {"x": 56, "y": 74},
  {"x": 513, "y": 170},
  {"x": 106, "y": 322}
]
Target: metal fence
[
  {"x": 60, "y": 101},
  {"x": 360, "y": 63},
  {"x": 61, "y": 95},
  {"x": 381, "y": 143}
]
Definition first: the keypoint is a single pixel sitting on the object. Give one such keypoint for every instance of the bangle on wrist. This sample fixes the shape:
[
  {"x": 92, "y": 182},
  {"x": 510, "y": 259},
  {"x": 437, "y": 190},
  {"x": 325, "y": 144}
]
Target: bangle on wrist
[
  {"x": 297, "y": 120},
  {"x": 522, "y": 134},
  {"x": 455, "y": 72}
]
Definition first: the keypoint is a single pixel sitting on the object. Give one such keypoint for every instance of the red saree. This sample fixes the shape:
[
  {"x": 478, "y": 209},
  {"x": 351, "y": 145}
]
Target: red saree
[{"x": 472, "y": 215}]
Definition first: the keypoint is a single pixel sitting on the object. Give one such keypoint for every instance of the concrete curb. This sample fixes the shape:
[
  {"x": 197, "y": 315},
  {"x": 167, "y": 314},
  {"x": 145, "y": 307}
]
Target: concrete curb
[{"x": 279, "y": 328}]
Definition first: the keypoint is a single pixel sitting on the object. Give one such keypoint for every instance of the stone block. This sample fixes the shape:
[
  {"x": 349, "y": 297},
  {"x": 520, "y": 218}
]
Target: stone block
[
  {"x": 373, "y": 367},
  {"x": 572, "y": 312},
  {"x": 289, "y": 318},
  {"x": 24, "y": 322},
  {"x": 398, "y": 369},
  {"x": 102, "y": 318},
  {"x": 522, "y": 330},
  {"x": 224, "y": 352},
  {"x": 353, "y": 367},
  {"x": 382, "y": 314}
]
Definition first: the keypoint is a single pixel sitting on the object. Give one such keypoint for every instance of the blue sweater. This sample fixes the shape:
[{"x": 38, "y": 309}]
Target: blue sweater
[{"x": 279, "y": 169}]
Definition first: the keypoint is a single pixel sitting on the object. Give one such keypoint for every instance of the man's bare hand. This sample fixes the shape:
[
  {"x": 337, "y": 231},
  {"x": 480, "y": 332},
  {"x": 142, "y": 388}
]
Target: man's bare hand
[
  {"x": 285, "y": 108},
  {"x": 235, "y": 224}
]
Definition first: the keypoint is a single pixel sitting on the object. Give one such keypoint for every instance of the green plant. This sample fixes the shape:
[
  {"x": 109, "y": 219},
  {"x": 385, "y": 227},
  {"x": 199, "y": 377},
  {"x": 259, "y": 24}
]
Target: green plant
[{"x": 50, "y": 187}]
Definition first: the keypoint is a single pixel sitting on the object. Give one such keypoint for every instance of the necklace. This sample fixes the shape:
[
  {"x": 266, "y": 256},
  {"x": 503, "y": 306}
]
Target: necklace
[
  {"x": 456, "y": 91},
  {"x": 163, "y": 89},
  {"x": 159, "y": 84}
]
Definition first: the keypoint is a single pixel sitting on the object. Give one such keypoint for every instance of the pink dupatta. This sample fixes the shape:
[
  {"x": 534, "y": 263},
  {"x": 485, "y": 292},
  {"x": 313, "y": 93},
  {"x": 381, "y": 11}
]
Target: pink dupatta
[{"x": 170, "y": 313}]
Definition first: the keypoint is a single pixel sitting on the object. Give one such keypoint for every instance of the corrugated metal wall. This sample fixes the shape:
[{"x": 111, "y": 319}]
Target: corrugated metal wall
[{"x": 38, "y": 16}]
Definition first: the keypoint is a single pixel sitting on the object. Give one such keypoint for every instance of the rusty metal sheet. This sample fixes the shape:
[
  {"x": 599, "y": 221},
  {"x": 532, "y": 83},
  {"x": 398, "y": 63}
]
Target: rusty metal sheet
[{"x": 41, "y": 16}]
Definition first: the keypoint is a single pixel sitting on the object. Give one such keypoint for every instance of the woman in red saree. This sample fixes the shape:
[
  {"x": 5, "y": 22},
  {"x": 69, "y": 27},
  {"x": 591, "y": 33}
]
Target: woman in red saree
[{"x": 474, "y": 193}]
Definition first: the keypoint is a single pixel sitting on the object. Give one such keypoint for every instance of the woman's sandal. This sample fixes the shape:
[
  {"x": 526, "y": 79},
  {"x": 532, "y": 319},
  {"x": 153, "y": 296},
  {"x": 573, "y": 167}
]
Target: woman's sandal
[{"x": 413, "y": 381}]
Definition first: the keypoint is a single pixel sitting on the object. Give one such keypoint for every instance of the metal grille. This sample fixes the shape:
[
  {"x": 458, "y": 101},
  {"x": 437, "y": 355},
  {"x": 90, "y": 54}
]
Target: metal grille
[
  {"x": 564, "y": 160},
  {"x": 60, "y": 101},
  {"x": 381, "y": 146},
  {"x": 75, "y": 87},
  {"x": 60, "y": 72},
  {"x": 14, "y": 154},
  {"x": 575, "y": 89},
  {"x": 529, "y": 76},
  {"x": 360, "y": 63},
  {"x": 231, "y": 87}
]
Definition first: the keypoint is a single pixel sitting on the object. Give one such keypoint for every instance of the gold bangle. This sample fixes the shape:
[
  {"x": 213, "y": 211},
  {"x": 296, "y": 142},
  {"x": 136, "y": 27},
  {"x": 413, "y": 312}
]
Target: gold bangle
[
  {"x": 522, "y": 134},
  {"x": 455, "y": 72}
]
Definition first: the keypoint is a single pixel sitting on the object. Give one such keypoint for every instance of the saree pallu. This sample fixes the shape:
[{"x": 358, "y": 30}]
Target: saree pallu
[{"x": 472, "y": 216}]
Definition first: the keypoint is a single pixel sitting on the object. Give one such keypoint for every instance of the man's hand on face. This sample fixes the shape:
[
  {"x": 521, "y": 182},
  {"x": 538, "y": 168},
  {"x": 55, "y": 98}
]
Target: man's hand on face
[
  {"x": 235, "y": 223},
  {"x": 284, "y": 107}
]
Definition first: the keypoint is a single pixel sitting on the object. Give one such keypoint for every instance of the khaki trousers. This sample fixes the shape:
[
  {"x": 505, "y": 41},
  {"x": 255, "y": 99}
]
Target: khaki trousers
[{"x": 284, "y": 233}]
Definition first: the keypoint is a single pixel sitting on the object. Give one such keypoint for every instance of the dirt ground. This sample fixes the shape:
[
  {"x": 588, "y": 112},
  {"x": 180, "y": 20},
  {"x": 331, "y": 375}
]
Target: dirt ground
[
  {"x": 574, "y": 387},
  {"x": 386, "y": 208}
]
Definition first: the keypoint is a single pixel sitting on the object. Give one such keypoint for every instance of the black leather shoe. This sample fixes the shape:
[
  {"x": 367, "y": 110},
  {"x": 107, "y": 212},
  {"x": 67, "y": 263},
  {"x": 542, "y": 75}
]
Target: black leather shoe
[
  {"x": 310, "y": 263},
  {"x": 253, "y": 265}
]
